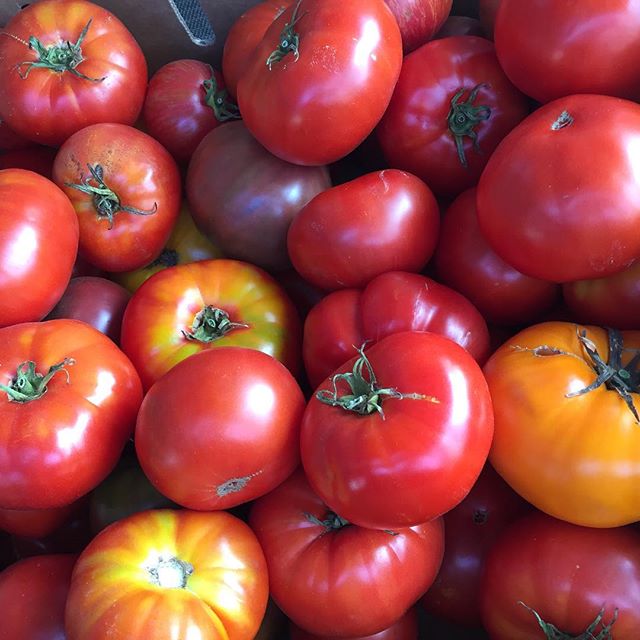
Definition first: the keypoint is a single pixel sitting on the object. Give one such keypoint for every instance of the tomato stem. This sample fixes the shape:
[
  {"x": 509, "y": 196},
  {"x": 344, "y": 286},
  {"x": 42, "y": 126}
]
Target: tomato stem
[
  {"x": 28, "y": 384},
  {"x": 366, "y": 396},
  {"x": 105, "y": 201},
  {"x": 210, "y": 324},
  {"x": 167, "y": 258},
  {"x": 553, "y": 633},
  {"x": 289, "y": 39},
  {"x": 169, "y": 573},
  {"x": 224, "y": 108},
  {"x": 65, "y": 56},
  {"x": 332, "y": 521}
]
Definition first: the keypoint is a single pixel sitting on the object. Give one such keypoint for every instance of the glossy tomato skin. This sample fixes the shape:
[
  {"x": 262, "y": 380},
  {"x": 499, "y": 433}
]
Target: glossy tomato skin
[
  {"x": 346, "y": 581},
  {"x": 414, "y": 132},
  {"x": 465, "y": 261},
  {"x": 244, "y": 198},
  {"x": 113, "y": 595},
  {"x": 420, "y": 459},
  {"x": 38, "y": 245},
  {"x": 34, "y": 158},
  {"x": 33, "y": 592},
  {"x": 588, "y": 476},
  {"x": 566, "y": 573},
  {"x": 570, "y": 48},
  {"x": 324, "y": 104},
  {"x": 419, "y": 20},
  {"x": 166, "y": 305},
  {"x": 141, "y": 174},
  {"x": 382, "y": 221},
  {"x": 48, "y": 106},
  {"x": 59, "y": 446},
  {"x": 544, "y": 190}
]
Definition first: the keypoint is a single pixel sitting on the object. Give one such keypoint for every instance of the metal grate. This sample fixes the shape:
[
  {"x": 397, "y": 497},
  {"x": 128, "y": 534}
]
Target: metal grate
[{"x": 195, "y": 21}]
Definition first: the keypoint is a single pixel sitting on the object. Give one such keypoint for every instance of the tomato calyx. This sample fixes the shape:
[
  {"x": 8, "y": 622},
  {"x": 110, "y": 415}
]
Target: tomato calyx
[
  {"x": 365, "y": 395},
  {"x": 169, "y": 573},
  {"x": 289, "y": 39},
  {"x": 553, "y": 633},
  {"x": 62, "y": 57},
  {"x": 105, "y": 201},
  {"x": 224, "y": 108},
  {"x": 28, "y": 384},
  {"x": 332, "y": 521},
  {"x": 210, "y": 324},
  {"x": 167, "y": 258},
  {"x": 463, "y": 117}
]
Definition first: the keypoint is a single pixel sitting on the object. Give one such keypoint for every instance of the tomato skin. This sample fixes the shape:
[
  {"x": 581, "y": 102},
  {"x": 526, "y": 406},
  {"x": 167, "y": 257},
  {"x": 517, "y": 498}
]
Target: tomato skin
[
  {"x": 38, "y": 219},
  {"x": 34, "y": 592},
  {"x": 414, "y": 131},
  {"x": 564, "y": 572},
  {"x": 419, "y": 461},
  {"x": 166, "y": 305},
  {"x": 585, "y": 48},
  {"x": 322, "y": 106},
  {"x": 141, "y": 173},
  {"x": 59, "y": 446},
  {"x": 580, "y": 477},
  {"x": 48, "y": 106},
  {"x": 544, "y": 190},
  {"x": 34, "y": 158},
  {"x": 342, "y": 582},
  {"x": 382, "y": 221},
  {"x": 10, "y": 140},
  {"x": 466, "y": 262},
  {"x": 112, "y": 595},
  {"x": 419, "y": 20},
  {"x": 36, "y": 523}
]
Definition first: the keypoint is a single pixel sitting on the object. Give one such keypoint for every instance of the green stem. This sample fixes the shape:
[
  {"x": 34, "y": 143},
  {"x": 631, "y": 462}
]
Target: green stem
[
  {"x": 464, "y": 117},
  {"x": 168, "y": 258},
  {"x": 289, "y": 39},
  {"x": 210, "y": 324},
  {"x": 332, "y": 521},
  {"x": 28, "y": 384},
  {"x": 224, "y": 108},
  {"x": 553, "y": 633}
]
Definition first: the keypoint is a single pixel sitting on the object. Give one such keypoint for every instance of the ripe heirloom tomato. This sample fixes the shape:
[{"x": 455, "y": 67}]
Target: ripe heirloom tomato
[
  {"x": 68, "y": 402},
  {"x": 66, "y": 64},
  {"x": 567, "y": 433},
  {"x": 335, "y": 578},
  {"x": 320, "y": 79},
  {"x": 167, "y": 574},
  {"x": 416, "y": 409},
  {"x": 188, "y": 308},
  {"x": 125, "y": 188},
  {"x": 38, "y": 245},
  {"x": 451, "y": 107}
]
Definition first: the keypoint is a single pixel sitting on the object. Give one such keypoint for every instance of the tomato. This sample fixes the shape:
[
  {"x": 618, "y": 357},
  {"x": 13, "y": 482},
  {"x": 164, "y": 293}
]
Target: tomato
[
  {"x": 487, "y": 12},
  {"x": 125, "y": 188},
  {"x": 245, "y": 35},
  {"x": 551, "y": 207},
  {"x": 465, "y": 262},
  {"x": 570, "y": 48},
  {"x": 33, "y": 592},
  {"x": 335, "y": 578},
  {"x": 562, "y": 378},
  {"x": 96, "y": 301},
  {"x": 68, "y": 402},
  {"x": 419, "y": 20},
  {"x": 213, "y": 303},
  {"x": 65, "y": 65},
  {"x": 164, "y": 574},
  {"x": 382, "y": 221},
  {"x": 185, "y": 100},
  {"x": 38, "y": 245},
  {"x": 460, "y": 26},
  {"x": 470, "y": 531},
  {"x": 581, "y": 582},
  {"x": 451, "y": 107},
  {"x": 220, "y": 428},
  {"x": 320, "y": 79},
  {"x": 10, "y": 140},
  {"x": 243, "y": 198},
  {"x": 34, "y": 158},
  {"x": 417, "y": 410},
  {"x": 36, "y": 523}
]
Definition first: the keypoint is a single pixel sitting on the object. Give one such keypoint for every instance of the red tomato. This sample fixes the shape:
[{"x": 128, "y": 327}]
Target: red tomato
[
  {"x": 579, "y": 581},
  {"x": 320, "y": 79},
  {"x": 69, "y": 398},
  {"x": 38, "y": 245},
  {"x": 125, "y": 188},
  {"x": 465, "y": 262},
  {"x": 451, "y": 107},
  {"x": 382, "y": 221},
  {"x": 553, "y": 208},
  {"x": 585, "y": 47},
  {"x": 334, "y": 578},
  {"x": 161, "y": 575},
  {"x": 220, "y": 428},
  {"x": 213, "y": 303},
  {"x": 36, "y": 523},
  {"x": 419, "y": 20},
  {"x": 185, "y": 100},
  {"x": 66, "y": 64},
  {"x": 34, "y": 158},
  {"x": 416, "y": 408},
  {"x": 10, "y": 140},
  {"x": 33, "y": 593}
]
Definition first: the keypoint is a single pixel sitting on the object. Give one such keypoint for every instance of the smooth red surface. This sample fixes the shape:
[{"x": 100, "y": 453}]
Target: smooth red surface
[{"x": 419, "y": 20}]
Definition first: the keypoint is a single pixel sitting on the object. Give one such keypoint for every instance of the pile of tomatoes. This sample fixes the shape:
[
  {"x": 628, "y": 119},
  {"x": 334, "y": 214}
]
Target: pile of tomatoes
[{"x": 340, "y": 340}]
